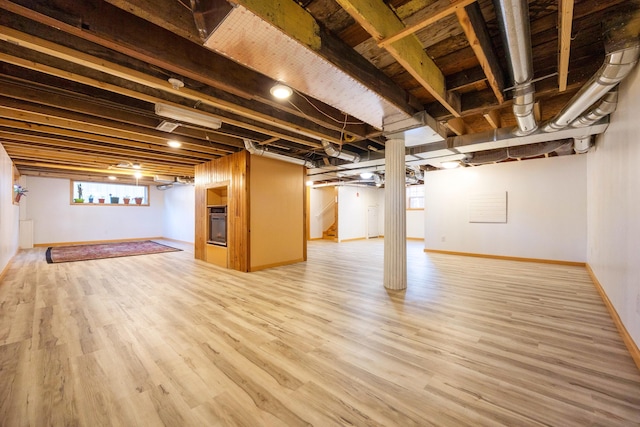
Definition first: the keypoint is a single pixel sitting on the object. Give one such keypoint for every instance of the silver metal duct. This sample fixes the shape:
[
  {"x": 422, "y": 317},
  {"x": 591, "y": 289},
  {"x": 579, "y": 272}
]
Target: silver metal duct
[
  {"x": 616, "y": 67},
  {"x": 340, "y": 154},
  {"x": 513, "y": 18},
  {"x": 518, "y": 152},
  {"x": 606, "y": 106},
  {"x": 261, "y": 151},
  {"x": 582, "y": 144}
]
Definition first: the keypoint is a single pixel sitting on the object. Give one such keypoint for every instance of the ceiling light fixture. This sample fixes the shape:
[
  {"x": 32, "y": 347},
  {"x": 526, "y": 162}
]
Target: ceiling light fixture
[
  {"x": 174, "y": 144},
  {"x": 167, "y": 126},
  {"x": 366, "y": 175},
  {"x": 281, "y": 91},
  {"x": 194, "y": 117},
  {"x": 136, "y": 165},
  {"x": 112, "y": 178},
  {"x": 175, "y": 83},
  {"x": 138, "y": 175},
  {"x": 450, "y": 165}
]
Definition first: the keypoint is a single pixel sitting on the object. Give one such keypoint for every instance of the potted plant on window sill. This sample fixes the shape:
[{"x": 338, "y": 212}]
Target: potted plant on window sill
[
  {"x": 101, "y": 199},
  {"x": 138, "y": 200},
  {"x": 114, "y": 199},
  {"x": 126, "y": 199}
]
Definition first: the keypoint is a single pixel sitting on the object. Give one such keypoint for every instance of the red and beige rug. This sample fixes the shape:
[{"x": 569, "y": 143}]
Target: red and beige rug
[{"x": 105, "y": 250}]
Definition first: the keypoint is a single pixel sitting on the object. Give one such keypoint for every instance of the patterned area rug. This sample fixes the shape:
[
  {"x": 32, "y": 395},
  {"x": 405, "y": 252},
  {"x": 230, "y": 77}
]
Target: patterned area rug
[{"x": 105, "y": 250}]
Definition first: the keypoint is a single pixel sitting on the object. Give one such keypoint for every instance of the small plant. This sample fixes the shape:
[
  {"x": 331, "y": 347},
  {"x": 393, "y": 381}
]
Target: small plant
[
  {"x": 79, "y": 199},
  {"x": 20, "y": 191}
]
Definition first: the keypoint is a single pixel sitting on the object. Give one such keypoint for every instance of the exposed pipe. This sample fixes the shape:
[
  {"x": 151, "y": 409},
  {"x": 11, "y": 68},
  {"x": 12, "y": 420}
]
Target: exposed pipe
[
  {"x": 261, "y": 151},
  {"x": 582, "y": 144},
  {"x": 617, "y": 66},
  {"x": 606, "y": 106},
  {"x": 340, "y": 154},
  {"x": 513, "y": 19}
]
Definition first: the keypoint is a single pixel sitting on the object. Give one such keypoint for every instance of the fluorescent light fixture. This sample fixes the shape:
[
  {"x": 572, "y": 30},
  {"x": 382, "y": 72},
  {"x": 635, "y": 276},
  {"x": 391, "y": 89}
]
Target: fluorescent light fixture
[
  {"x": 281, "y": 91},
  {"x": 450, "y": 165},
  {"x": 174, "y": 144},
  {"x": 194, "y": 117}
]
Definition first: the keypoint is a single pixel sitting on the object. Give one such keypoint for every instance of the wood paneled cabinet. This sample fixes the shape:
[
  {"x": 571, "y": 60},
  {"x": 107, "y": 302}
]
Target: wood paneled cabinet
[{"x": 264, "y": 201}]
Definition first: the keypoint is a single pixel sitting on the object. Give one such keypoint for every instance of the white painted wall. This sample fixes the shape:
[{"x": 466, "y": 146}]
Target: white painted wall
[
  {"x": 320, "y": 218},
  {"x": 415, "y": 224},
  {"x": 320, "y": 197},
  {"x": 9, "y": 213},
  {"x": 547, "y": 201},
  {"x": 613, "y": 209},
  {"x": 353, "y": 204},
  {"x": 179, "y": 213},
  {"x": 55, "y": 220}
]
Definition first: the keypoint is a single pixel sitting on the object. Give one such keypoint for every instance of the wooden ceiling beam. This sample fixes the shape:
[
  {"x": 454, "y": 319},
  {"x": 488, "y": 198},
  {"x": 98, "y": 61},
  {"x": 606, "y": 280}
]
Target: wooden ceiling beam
[
  {"x": 27, "y": 98},
  {"x": 34, "y": 142},
  {"x": 79, "y": 58},
  {"x": 457, "y": 126},
  {"x": 115, "y": 29},
  {"x": 20, "y": 127},
  {"x": 493, "y": 118},
  {"x": 472, "y": 22},
  {"x": 157, "y": 84},
  {"x": 565, "y": 21},
  {"x": 434, "y": 17},
  {"x": 89, "y": 169},
  {"x": 380, "y": 21},
  {"x": 128, "y": 139}
]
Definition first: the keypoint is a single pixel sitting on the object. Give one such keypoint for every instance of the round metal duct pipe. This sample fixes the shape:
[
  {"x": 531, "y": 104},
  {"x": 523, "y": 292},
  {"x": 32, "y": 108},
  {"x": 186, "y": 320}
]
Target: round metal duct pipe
[
  {"x": 617, "y": 66},
  {"x": 513, "y": 19},
  {"x": 340, "y": 154}
]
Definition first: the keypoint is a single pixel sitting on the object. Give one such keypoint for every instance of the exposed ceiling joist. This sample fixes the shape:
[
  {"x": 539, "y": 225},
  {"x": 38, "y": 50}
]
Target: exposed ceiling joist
[
  {"x": 380, "y": 21},
  {"x": 565, "y": 22},
  {"x": 474, "y": 27}
]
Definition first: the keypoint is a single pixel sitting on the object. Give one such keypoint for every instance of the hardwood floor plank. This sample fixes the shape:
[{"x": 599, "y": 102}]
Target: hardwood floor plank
[{"x": 165, "y": 339}]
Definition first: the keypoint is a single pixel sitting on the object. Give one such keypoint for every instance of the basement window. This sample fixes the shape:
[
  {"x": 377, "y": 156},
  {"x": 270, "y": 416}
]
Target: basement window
[
  {"x": 105, "y": 194},
  {"x": 415, "y": 197}
]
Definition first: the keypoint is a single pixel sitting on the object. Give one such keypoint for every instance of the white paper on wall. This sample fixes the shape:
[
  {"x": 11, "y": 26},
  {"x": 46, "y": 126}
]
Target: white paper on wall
[{"x": 488, "y": 207}]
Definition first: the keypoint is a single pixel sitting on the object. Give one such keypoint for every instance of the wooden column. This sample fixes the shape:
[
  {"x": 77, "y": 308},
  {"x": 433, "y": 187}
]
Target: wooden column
[{"x": 395, "y": 228}]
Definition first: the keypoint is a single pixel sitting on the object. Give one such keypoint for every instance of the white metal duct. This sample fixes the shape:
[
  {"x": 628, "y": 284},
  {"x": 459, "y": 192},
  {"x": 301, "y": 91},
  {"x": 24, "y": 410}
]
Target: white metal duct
[{"x": 247, "y": 39}]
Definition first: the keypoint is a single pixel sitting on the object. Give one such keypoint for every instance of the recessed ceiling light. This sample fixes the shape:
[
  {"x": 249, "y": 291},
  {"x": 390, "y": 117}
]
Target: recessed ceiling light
[
  {"x": 174, "y": 144},
  {"x": 281, "y": 91},
  {"x": 450, "y": 165},
  {"x": 136, "y": 165},
  {"x": 138, "y": 174},
  {"x": 112, "y": 178}
]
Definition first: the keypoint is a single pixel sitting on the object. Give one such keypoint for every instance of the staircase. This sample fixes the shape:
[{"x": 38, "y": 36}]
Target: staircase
[{"x": 331, "y": 233}]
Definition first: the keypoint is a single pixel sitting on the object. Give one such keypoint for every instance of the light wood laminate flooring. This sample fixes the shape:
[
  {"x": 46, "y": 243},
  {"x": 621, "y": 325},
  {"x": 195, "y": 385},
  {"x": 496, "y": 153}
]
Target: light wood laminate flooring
[{"x": 168, "y": 340}]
